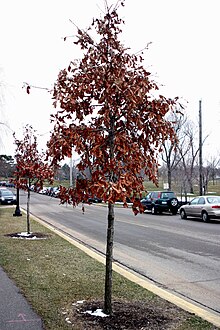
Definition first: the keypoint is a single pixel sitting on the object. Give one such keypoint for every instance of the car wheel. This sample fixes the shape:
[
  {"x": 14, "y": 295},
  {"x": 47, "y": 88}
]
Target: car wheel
[
  {"x": 153, "y": 210},
  {"x": 174, "y": 202},
  {"x": 205, "y": 216},
  {"x": 183, "y": 214}
]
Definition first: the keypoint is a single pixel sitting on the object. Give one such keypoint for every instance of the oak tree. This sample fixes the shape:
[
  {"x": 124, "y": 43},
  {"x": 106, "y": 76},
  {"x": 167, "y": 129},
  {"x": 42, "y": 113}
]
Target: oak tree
[
  {"x": 110, "y": 112},
  {"x": 31, "y": 168}
]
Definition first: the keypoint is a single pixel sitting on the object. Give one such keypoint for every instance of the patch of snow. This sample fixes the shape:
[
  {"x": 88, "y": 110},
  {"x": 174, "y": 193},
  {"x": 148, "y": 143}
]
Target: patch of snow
[
  {"x": 25, "y": 233},
  {"x": 67, "y": 320},
  {"x": 97, "y": 312},
  {"x": 78, "y": 302}
]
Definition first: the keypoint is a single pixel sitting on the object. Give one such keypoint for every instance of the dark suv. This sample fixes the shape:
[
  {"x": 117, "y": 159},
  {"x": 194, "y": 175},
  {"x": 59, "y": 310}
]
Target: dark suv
[{"x": 161, "y": 201}]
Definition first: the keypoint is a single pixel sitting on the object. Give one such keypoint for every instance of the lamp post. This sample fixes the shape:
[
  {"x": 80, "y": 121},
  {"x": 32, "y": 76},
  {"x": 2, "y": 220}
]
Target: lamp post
[{"x": 17, "y": 209}]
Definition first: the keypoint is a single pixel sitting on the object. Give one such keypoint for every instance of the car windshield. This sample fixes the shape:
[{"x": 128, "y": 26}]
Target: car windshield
[
  {"x": 213, "y": 200},
  {"x": 148, "y": 196},
  {"x": 6, "y": 193}
]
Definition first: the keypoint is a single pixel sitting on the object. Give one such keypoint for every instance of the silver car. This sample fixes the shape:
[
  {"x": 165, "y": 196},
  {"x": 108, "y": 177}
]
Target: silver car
[{"x": 204, "y": 207}]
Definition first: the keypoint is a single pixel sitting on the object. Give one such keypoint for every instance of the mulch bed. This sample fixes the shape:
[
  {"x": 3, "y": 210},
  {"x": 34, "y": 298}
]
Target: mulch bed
[
  {"x": 28, "y": 236},
  {"x": 128, "y": 316}
]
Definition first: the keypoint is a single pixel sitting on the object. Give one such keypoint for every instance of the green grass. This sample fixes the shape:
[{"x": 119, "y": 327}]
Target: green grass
[
  {"x": 214, "y": 187},
  {"x": 53, "y": 274}
]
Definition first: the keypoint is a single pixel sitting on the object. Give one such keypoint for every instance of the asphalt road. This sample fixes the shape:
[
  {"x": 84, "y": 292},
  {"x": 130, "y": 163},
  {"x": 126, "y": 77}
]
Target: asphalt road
[{"x": 182, "y": 256}]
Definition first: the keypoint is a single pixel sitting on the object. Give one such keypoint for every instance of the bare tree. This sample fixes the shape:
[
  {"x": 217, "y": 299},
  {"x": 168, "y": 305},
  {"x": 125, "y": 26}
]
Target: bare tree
[
  {"x": 210, "y": 172},
  {"x": 171, "y": 155},
  {"x": 189, "y": 150},
  {"x": 7, "y": 166}
]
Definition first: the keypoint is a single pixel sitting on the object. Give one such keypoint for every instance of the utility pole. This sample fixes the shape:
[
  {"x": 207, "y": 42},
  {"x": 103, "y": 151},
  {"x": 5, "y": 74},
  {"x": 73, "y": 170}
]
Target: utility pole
[{"x": 200, "y": 150}]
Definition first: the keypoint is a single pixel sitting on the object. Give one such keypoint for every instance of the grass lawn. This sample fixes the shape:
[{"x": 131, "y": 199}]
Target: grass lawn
[{"x": 53, "y": 275}]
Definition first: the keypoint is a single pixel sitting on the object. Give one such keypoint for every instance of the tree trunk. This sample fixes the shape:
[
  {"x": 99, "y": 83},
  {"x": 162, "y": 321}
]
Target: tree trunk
[
  {"x": 109, "y": 259},
  {"x": 169, "y": 178},
  {"x": 28, "y": 211},
  {"x": 191, "y": 189}
]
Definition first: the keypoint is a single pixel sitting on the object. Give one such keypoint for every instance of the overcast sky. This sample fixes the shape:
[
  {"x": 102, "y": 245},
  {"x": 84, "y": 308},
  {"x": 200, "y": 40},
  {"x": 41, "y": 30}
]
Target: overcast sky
[{"x": 183, "y": 57}]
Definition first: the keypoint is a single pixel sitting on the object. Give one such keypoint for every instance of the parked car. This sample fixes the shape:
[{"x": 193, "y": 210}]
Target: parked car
[
  {"x": 43, "y": 191},
  {"x": 3, "y": 183},
  {"x": 94, "y": 200},
  {"x": 10, "y": 184},
  {"x": 56, "y": 192},
  {"x": 53, "y": 191},
  {"x": 34, "y": 188},
  {"x": 204, "y": 207},
  {"x": 49, "y": 190},
  {"x": 161, "y": 201},
  {"x": 7, "y": 197}
]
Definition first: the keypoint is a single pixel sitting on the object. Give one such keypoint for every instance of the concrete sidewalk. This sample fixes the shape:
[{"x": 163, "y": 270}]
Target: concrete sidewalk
[{"x": 15, "y": 311}]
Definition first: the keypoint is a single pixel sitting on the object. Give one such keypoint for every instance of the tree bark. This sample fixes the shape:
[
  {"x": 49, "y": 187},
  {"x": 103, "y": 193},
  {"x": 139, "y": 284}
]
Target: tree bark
[
  {"x": 109, "y": 259},
  {"x": 169, "y": 178}
]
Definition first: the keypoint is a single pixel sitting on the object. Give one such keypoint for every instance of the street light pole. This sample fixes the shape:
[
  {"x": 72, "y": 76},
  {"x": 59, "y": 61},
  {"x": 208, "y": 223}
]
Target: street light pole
[{"x": 17, "y": 209}]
